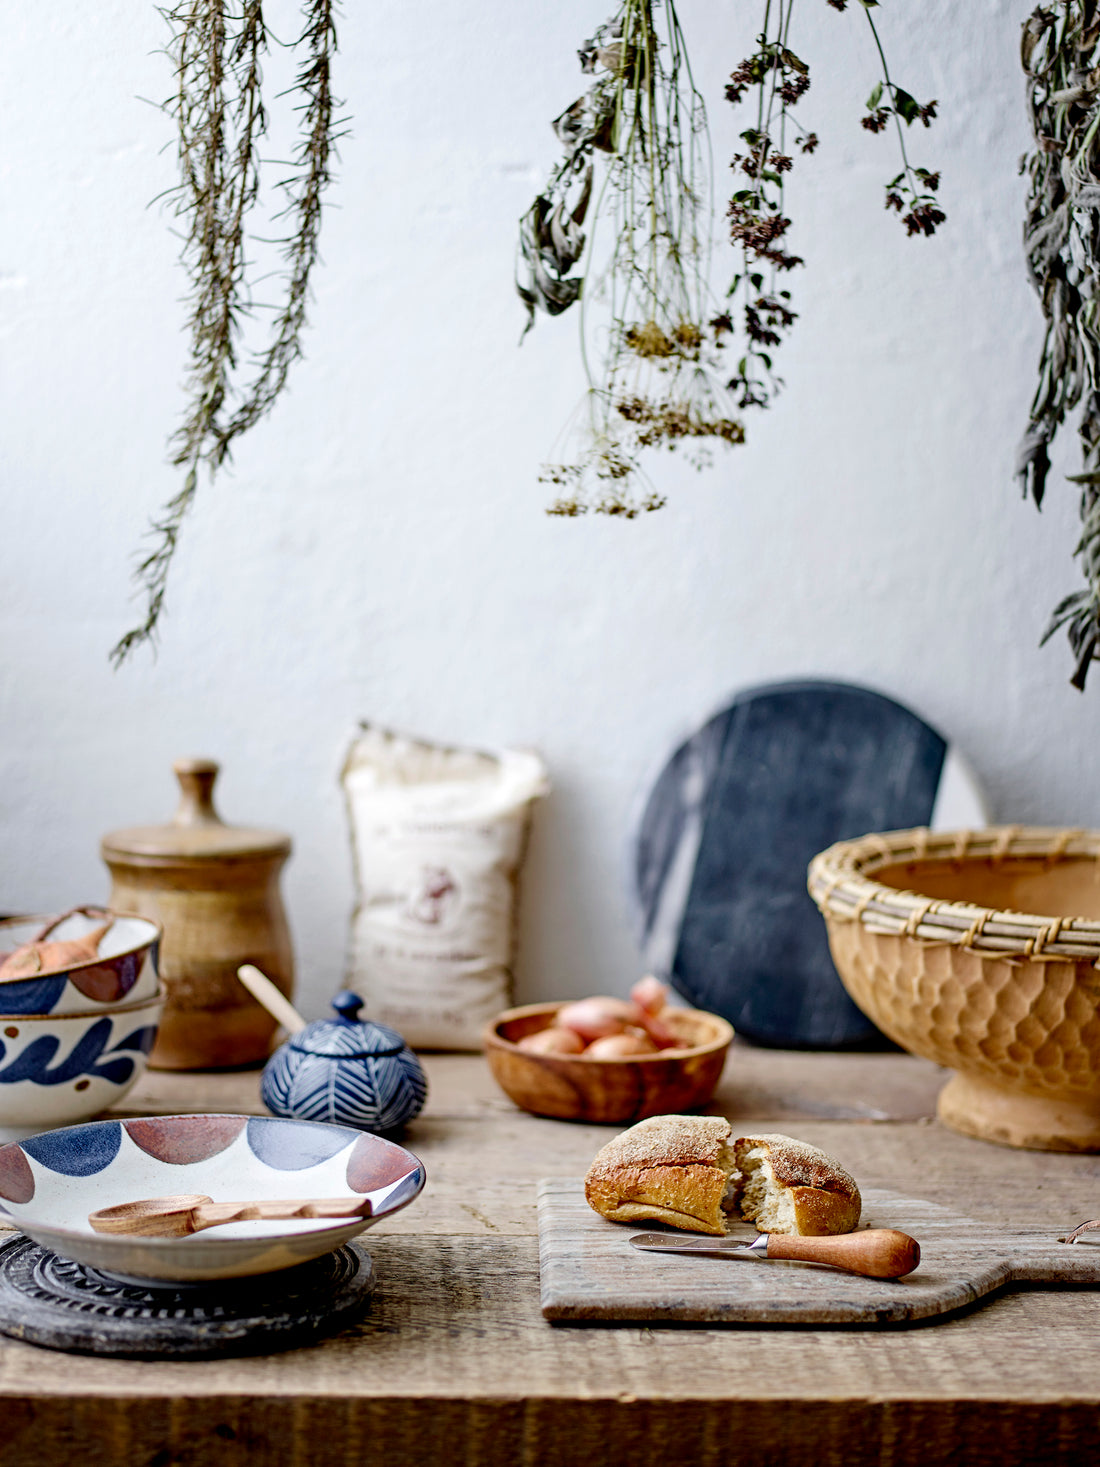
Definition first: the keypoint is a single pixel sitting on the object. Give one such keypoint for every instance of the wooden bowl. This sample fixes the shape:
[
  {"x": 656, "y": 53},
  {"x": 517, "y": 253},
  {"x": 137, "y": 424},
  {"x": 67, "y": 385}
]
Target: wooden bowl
[
  {"x": 979, "y": 950},
  {"x": 607, "y": 1091}
]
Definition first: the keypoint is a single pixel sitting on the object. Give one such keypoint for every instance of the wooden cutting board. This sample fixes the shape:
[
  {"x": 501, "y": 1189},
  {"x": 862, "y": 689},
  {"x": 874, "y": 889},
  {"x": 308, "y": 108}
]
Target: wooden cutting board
[{"x": 590, "y": 1274}]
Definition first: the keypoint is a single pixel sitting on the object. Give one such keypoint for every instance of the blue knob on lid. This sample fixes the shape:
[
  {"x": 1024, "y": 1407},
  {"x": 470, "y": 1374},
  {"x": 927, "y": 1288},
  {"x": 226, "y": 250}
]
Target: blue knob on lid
[{"x": 347, "y": 1005}]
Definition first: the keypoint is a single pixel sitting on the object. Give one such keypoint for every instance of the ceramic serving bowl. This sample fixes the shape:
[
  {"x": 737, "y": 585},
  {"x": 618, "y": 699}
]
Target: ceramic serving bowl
[
  {"x": 979, "y": 950},
  {"x": 573, "y": 1088},
  {"x": 124, "y": 968},
  {"x": 60, "y": 1068},
  {"x": 50, "y": 1183}
]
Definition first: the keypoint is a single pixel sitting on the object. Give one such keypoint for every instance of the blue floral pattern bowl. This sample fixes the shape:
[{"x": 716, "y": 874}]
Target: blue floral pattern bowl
[
  {"x": 59, "y": 1068},
  {"x": 124, "y": 969},
  {"x": 50, "y": 1183}
]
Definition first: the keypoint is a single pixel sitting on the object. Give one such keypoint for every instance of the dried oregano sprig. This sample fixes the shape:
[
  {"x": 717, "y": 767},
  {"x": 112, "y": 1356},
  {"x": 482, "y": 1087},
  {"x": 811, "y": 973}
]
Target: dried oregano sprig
[
  {"x": 778, "y": 80},
  {"x": 221, "y": 122},
  {"x": 636, "y": 161},
  {"x": 1061, "y": 59}
]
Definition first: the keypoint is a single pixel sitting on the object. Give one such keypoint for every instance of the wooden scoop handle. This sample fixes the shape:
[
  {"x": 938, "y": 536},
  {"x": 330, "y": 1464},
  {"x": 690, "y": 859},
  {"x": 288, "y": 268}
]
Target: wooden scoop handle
[
  {"x": 176, "y": 1217},
  {"x": 879, "y": 1253},
  {"x": 265, "y": 993}
]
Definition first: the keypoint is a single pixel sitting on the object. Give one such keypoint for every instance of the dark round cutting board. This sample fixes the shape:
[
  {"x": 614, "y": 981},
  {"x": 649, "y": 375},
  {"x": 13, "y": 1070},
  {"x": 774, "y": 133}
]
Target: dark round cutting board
[{"x": 731, "y": 825}]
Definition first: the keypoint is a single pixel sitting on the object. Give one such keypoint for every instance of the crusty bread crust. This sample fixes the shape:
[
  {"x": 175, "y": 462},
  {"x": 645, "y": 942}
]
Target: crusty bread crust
[
  {"x": 664, "y": 1141},
  {"x": 688, "y": 1197},
  {"x": 824, "y": 1196},
  {"x": 664, "y": 1169},
  {"x": 678, "y": 1170}
]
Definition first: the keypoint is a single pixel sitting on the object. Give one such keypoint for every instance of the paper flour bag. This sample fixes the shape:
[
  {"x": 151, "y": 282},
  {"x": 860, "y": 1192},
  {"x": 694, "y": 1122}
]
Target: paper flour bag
[{"x": 438, "y": 837}]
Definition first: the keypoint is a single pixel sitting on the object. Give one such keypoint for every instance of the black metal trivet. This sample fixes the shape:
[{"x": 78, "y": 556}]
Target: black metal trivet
[{"x": 51, "y": 1301}]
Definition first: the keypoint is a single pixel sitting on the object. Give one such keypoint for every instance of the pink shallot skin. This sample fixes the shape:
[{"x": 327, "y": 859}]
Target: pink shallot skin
[
  {"x": 601, "y": 1017},
  {"x": 552, "y": 1041},
  {"x": 621, "y": 1046},
  {"x": 596, "y": 1018},
  {"x": 650, "y": 993},
  {"x": 650, "y": 996}
]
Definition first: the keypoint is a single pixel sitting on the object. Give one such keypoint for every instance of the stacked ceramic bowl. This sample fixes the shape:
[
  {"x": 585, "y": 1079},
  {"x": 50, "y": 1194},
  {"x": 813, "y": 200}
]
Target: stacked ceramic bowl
[{"x": 80, "y": 1001}]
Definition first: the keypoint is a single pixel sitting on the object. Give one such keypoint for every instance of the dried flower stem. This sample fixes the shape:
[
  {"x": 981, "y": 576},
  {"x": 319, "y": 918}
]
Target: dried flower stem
[
  {"x": 648, "y": 349},
  {"x": 656, "y": 380},
  {"x": 757, "y": 214}
]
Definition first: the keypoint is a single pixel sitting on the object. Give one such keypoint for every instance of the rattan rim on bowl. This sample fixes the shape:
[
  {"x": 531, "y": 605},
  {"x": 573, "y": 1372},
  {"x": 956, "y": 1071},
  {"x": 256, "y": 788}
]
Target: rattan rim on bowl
[{"x": 841, "y": 883}]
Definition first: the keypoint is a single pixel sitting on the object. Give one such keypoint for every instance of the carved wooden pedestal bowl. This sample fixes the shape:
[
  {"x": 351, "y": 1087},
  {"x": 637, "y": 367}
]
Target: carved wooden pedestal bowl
[{"x": 934, "y": 936}]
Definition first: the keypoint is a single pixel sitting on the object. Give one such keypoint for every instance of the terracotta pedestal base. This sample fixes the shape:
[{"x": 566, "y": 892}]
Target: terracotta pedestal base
[{"x": 1033, "y": 1122}]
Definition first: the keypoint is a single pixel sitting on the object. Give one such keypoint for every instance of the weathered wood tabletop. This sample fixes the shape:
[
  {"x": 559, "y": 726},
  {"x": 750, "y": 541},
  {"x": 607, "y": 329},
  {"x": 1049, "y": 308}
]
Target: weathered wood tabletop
[{"x": 455, "y": 1363}]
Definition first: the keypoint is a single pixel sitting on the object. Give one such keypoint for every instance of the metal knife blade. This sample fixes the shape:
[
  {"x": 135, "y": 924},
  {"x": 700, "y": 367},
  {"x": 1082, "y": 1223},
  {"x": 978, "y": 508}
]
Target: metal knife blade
[{"x": 712, "y": 1247}]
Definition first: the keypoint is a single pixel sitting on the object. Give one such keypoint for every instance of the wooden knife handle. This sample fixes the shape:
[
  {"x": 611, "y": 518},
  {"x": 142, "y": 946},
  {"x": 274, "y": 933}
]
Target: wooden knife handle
[{"x": 879, "y": 1253}]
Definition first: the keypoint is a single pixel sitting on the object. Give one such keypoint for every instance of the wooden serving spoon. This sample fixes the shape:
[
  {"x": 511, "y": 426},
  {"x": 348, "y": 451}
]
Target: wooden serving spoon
[
  {"x": 877, "y": 1253},
  {"x": 176, "y": 1217}
]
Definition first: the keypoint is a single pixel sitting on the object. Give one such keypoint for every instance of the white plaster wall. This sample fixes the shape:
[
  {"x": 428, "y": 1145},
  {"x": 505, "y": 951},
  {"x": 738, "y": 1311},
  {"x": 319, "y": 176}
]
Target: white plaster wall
[{"x": 380, "y": 549}]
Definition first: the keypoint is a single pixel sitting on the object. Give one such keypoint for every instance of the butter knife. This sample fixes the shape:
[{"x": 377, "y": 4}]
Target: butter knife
[{"x": 878, "y": 1253}]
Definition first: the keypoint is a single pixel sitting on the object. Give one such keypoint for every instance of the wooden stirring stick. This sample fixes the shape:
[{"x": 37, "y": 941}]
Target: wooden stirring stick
[{"x": 176, "y": 1217}]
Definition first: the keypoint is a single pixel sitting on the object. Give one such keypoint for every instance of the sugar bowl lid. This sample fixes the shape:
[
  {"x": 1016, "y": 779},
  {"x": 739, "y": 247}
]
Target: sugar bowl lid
[
  {"x": 347, "y": 1036},
  {"x": 196, "y": 832}
]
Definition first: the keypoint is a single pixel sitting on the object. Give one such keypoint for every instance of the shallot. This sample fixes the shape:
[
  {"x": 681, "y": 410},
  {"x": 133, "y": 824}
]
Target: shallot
[
  {"x": 552, "y": 1041},
  {"x": 595, "y": 1018},
  {"x": 37, "y": 958},
  {"x": 650, "y": 994},
  {"x": 621, "y": 1046},
  {"x": 650, "y": 997}
]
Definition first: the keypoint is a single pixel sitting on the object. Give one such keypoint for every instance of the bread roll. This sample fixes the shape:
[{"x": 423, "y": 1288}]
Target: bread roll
[
  {"x": 670, "y": 1169},
  {"x": 686, "y": 1171},
  {"x": 785, "y": 1186}
]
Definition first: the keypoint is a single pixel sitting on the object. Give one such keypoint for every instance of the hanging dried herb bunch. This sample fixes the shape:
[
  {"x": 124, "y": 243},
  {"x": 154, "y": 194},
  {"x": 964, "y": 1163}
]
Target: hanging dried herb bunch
[
  {"x": 221, "y": 121},
  {"x": 636, "y": 160},
  {"x": 653, "y": 358},
  {"x": 775, "y": 80},
  {"x": 1061, "y": 60}
]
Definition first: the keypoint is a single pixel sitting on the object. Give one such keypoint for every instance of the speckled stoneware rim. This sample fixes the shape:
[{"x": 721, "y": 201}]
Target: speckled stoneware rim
[
  {"x": 722, "y": 1040},
  {"x": 242, "y": 1157},
  {"x": 840, "y": 883}
]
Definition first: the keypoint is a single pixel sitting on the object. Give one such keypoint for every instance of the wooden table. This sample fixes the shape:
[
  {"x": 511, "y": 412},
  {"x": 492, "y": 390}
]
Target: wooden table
[{"x": 455, "y": 1364}]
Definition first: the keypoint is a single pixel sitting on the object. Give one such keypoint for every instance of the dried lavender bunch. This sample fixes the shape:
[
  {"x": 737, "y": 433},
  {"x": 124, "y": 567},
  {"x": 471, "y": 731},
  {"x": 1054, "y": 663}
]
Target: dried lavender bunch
[
  {"x": 221, "y": 121},
  {"x": 1060, "y": 53},
  {"x": 651, "y": 350},
  {"x": 778, "y": 79}
]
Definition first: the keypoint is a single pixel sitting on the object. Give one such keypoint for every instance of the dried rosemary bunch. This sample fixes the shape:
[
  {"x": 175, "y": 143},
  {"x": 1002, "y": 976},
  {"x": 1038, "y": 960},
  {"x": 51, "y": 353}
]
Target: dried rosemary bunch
[
  {"x": 653, "y": 358},
  {"x": 221, "y": 122},
  {"x": 1061, "y": 59}
]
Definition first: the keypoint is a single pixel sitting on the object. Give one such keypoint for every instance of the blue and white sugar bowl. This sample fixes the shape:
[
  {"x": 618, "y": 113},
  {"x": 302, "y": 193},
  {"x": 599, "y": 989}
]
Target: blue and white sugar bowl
[{"x": 346, "y": 1070}]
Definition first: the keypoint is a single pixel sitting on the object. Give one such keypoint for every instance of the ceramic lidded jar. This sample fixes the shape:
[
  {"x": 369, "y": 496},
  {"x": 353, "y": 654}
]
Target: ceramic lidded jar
[
  {"x": 214, "y": 888},
  {"x": 351, "y": 1072}
]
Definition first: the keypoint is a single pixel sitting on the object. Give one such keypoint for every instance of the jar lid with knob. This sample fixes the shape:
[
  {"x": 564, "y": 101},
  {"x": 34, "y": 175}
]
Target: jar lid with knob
[
  {"x": 196, "y": 831},
  {"x": 346, "y": 1070}
]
